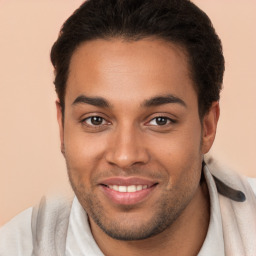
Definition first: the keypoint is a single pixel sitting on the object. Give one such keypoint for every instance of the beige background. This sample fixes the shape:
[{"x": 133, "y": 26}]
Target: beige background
[{"x": 30, "y": 161}]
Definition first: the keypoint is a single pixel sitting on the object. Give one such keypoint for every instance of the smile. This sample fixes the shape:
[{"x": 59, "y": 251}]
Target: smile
[{"x": 125, "y": 189}]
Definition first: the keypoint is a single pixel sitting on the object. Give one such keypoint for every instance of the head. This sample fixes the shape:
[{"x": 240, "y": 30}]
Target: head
[
  {"x": 138, "y": 83},
  {"x": 176, "y": 21}
]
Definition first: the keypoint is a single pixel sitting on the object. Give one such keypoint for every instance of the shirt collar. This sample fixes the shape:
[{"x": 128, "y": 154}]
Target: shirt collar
[
  {"x": 81, "y": 242},
  {"x": 214, "y": 243},
  {"x": 79, "y": 237}
]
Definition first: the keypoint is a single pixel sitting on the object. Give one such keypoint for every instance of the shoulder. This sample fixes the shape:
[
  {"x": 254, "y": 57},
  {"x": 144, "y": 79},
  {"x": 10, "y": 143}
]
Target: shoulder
[
  {"x": 237, "y": 201},
  {"x": 228, "y": 181},
  {"x": 16, "y": 235},
  {"x": 252, "y": 182},
  {"x": 34, "y": 229}
]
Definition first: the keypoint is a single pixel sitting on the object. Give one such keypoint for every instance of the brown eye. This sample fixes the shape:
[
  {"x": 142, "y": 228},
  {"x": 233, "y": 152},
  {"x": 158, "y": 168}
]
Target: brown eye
[
  {"x": 95, "y": 121},
  {"x": 161, "y": 120}
]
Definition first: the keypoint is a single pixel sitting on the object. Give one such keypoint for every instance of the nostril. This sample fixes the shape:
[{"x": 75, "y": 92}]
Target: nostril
[{"x": 127, "y": 157}]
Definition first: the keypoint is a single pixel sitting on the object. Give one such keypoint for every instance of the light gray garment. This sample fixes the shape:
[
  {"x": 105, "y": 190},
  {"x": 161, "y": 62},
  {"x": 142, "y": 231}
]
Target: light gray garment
[
  {"x": 16, "y": 236},
  {"x": 81, "y": 243},
  {"x": 214, "y": 243},
  {"x": 59, "y": 226},
  {"x": 79, "y": 237}
]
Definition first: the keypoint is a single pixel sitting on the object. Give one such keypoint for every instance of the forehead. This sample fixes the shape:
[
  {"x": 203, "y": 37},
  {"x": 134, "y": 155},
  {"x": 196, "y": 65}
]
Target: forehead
[{"x": 137, "y": 69}]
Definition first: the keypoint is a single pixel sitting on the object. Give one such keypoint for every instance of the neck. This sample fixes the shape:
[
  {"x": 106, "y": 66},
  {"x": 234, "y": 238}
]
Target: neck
[{"x": 184, "y": 237}]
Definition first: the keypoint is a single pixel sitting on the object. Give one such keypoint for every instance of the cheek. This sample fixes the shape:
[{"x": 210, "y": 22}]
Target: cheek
[
  {"x": 179, "y": 146},
  {"x": 81, "y": 147},
  {"x": 180, "y": 155},
  {"x": 83, "y": 154}
]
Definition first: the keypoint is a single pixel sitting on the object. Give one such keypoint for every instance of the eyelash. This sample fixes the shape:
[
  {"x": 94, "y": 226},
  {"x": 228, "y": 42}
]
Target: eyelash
[
  {"x": 167, "y": 121},
  {"x": 91, "y": 119}
]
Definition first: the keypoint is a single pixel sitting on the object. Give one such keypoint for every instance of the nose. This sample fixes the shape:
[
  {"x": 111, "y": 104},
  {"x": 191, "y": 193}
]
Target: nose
[{"x": 126, "y": 148}]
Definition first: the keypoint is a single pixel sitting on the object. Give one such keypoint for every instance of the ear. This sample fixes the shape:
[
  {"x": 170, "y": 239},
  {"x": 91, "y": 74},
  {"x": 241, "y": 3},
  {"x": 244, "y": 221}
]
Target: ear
[
  {"x": 61, "y": 124},
  {"x": 210, "y": 121}
]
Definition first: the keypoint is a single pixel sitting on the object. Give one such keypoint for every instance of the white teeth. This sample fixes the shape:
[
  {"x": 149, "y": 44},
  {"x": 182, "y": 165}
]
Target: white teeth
[
  {"x": 139, "y": 187},
  {"x": 131, "y": 188},
  {"x": 122, "y": 189}
]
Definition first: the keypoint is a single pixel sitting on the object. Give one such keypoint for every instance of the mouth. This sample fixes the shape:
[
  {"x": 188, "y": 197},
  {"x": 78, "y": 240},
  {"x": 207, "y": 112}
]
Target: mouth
[{"x": 127, "y": 191}]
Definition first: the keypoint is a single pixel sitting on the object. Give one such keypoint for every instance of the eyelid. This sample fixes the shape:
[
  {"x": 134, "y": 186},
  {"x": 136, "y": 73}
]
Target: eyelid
[
  {"x": 172, "y": 120},
  {"x": 169, "y": 121},
  {"x": 91, "y": 115}
]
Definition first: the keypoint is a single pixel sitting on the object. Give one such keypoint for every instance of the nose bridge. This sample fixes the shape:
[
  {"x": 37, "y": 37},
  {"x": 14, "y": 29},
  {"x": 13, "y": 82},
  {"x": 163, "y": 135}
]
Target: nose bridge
[{"x": 126, "y": 147}]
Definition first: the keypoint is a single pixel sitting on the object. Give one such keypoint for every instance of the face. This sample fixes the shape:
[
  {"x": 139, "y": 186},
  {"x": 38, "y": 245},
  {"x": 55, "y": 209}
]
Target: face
[{"x": 132, "y": 137}]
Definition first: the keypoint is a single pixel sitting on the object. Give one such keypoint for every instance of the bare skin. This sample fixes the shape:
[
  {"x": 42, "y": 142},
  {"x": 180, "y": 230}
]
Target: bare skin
[
  {"x": 184, "y": 237},
  {"x": 131, "y": 120}
]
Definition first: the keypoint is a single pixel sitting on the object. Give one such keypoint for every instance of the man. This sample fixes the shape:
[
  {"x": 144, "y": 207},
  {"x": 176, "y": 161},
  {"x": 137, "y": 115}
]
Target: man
[{"x": 138, "y": 85}]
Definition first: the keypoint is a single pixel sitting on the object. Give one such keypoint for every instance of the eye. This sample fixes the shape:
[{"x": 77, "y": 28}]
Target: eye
[
  {"x": 94, "y": 121},
  {"x": 161, "y": 120}
]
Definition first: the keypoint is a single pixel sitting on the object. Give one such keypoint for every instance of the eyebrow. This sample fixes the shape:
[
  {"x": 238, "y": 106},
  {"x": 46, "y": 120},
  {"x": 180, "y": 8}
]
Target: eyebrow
[
  {"x": 95, "y": 101},
  {"x": 154, "y": 101},
  {"x": 164, "y": 99}
]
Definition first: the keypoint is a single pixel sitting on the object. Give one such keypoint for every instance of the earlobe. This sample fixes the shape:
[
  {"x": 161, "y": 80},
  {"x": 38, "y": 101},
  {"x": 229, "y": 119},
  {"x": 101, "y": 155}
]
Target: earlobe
[
  {"x": 210, "y": 122},
  {"x": 61, "y": 124}
]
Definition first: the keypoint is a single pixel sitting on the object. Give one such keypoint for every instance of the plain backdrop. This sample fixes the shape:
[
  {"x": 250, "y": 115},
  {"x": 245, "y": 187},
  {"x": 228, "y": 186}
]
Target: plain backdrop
[{"x": 31, "y": 164}]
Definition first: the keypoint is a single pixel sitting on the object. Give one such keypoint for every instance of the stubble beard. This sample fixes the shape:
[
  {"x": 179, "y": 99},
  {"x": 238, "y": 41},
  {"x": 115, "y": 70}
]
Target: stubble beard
[
  {"x": 159, "y": 222},
  {"x": 167, "y": 210}
]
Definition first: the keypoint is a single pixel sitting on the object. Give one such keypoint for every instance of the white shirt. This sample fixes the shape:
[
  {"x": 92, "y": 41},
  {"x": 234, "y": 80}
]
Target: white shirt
[
  {"x": 80, "y": 240},
  {"x": 16, "y": 236}
]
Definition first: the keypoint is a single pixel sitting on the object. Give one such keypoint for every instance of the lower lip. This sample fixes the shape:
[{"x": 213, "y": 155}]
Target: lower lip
[{"x": 127, "y": 198}]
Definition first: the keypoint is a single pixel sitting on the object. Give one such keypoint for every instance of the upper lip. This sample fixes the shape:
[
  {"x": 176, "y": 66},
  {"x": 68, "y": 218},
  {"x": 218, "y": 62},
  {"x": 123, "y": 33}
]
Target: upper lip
[{"x": 127, "y": 181}]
